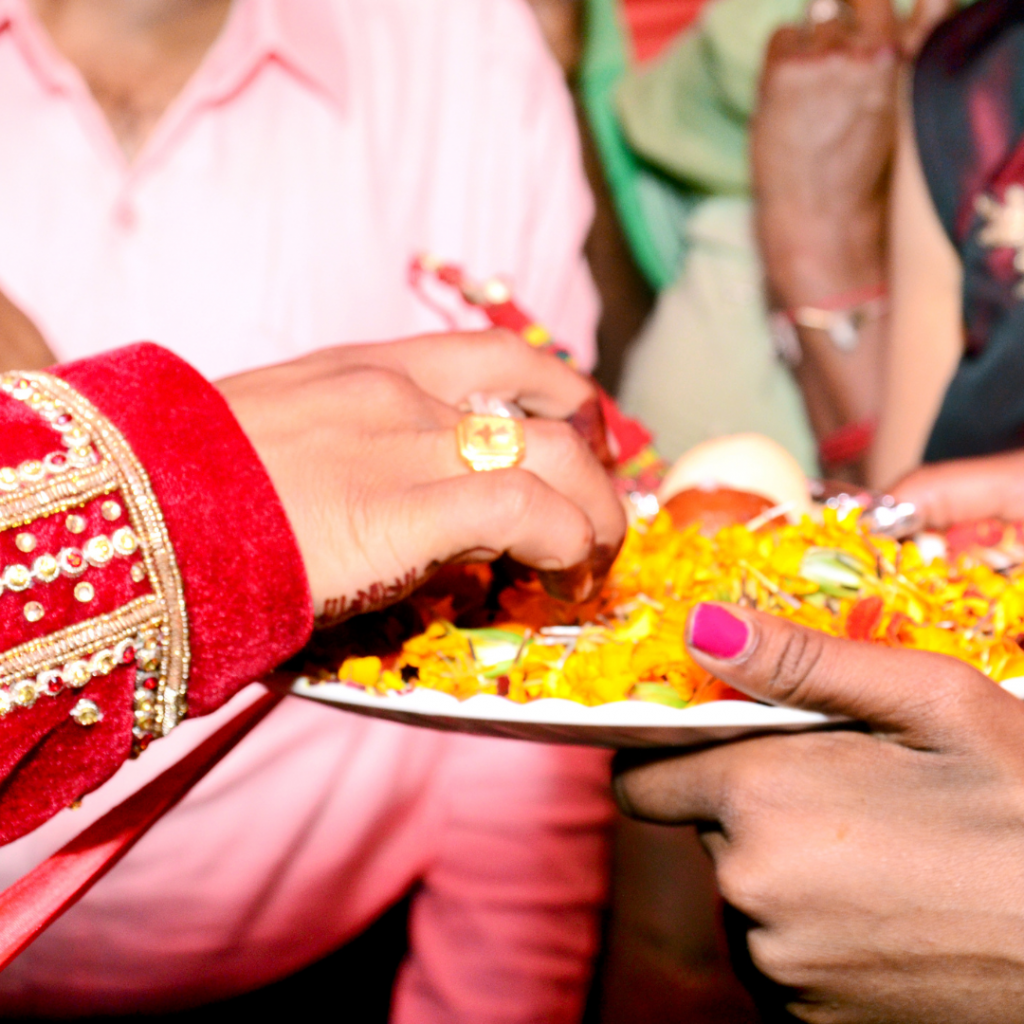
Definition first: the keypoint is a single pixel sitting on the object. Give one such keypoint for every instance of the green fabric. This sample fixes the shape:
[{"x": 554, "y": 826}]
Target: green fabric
[
  {"x": 651, "y": 211},
  {"x": 687, "y": 113},
  {"x": 675, "y": 131},
  {"x": 704, "y": 364}
]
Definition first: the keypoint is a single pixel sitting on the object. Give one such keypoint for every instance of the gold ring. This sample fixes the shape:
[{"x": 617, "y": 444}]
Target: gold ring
[{"x": 490, "y": 442}]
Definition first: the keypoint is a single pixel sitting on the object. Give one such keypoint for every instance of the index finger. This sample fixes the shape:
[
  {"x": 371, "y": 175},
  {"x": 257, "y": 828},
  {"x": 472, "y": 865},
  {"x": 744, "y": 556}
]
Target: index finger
[
  {"x": 672, "y": 787},
  {"x": 497, "y": 362}
]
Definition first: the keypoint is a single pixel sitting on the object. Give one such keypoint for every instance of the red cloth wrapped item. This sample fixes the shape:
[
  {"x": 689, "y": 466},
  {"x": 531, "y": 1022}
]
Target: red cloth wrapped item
[
  {"x": 148, "y": 570},
  {"x": 654, "y": 24}
]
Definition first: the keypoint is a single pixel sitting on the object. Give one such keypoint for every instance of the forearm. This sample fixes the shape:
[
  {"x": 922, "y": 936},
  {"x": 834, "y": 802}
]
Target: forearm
[
  {"x": 819, "y": 269},
  {"x": 821, "y": 147}
]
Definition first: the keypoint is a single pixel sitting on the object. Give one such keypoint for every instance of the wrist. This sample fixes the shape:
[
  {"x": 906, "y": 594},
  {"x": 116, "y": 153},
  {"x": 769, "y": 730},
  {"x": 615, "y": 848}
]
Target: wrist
[
  {"x": 808, "y": 262},
  {"x": 248, "y": 605}
]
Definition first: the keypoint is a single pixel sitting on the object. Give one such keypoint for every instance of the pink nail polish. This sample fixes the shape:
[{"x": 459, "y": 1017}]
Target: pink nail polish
[{"x": 717, "y": 632}]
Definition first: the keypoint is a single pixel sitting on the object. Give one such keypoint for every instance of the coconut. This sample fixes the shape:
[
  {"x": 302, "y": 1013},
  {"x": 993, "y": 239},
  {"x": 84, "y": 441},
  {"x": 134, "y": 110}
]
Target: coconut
[{"x": 749, "y": 463}]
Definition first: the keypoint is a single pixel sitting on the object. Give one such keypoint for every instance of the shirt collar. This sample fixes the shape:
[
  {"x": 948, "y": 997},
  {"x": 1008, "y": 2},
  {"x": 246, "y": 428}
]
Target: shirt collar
[
  {"x": 300, "y": 35},
  {"x": 55, "y": 72}
]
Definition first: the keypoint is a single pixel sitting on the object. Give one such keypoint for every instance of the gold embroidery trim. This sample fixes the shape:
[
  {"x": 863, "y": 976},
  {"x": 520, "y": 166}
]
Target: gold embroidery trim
[
  {"x": 117, "y": 469},
  {"x": 79, "y": 640},
  {"x": 58, "y": 494}
]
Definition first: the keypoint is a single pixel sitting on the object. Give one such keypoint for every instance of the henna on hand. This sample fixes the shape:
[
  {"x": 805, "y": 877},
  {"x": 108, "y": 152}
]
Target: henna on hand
[{"x": 373, "y": 598}]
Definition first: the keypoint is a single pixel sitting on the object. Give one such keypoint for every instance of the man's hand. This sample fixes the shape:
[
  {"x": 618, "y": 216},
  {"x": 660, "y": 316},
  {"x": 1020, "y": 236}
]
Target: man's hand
[
  {"x": 360, "y": 444},
  {"x": 989, "y": 487},
  {"x": 882, "y": 870}
]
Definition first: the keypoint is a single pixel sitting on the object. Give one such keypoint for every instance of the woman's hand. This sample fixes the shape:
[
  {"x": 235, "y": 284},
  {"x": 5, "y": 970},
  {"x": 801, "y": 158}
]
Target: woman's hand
[
  {"x": 989, "y": 487},
  {"x": 880, "y": 871},
  {"x": 822, "y": 141},
  {"x": 360, "y": 444},
  {"x": 822, "y": 144}
]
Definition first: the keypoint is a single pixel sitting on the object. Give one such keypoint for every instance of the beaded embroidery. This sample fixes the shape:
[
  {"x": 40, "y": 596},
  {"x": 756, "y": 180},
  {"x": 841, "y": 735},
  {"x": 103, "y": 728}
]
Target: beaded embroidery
[
  {"x": 97, "y": 552},
  {"x": 154, "y": 627}
]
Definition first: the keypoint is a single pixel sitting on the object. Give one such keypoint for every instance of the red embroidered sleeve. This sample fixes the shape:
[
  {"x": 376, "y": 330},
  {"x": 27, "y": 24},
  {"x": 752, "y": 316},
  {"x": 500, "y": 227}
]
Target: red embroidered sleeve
[{"x": 147, "y": 570}]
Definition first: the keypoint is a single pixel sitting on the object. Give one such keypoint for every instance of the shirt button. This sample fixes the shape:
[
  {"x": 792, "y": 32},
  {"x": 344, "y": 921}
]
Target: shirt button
[{"x": 124, "y": 215}]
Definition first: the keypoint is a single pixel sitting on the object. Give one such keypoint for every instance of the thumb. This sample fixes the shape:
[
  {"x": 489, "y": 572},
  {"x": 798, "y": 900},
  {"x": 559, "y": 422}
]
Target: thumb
[
  {"x": 511, "y": 511},
  {"x": 905, "y": 693}
]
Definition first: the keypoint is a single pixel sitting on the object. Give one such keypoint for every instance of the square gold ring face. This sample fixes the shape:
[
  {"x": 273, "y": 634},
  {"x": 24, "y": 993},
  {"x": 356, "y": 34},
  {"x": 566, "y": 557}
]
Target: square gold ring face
[{"x": 490, "y": 442}]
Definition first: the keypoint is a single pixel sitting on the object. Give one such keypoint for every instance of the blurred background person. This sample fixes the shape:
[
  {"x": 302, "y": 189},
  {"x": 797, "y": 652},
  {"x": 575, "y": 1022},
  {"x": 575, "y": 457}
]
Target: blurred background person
[
  {"x": 943, "y": 368},
  {"x": 954, "y": 374},
  {"x": 822, "y": 155},
  {"x": 698, "y": 137},
  {"x": 675, "y": 143}
]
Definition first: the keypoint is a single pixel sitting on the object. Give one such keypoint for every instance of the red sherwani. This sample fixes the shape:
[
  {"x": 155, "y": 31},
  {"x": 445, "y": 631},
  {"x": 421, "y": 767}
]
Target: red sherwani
[{"x": 146, "y": 564}]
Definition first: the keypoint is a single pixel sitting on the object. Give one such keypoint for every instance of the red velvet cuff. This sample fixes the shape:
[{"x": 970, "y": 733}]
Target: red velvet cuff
[
  {"x": 242, "y": 581},
  {"x": 249, "y": 606}
]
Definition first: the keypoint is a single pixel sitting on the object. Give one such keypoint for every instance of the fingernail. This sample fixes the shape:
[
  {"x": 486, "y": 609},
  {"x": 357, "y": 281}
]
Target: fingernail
[
  {"x": 550, "y": 564},
  {"x": 588, "y": 421},
  {"x": 718, "y": 632},
  {"x": 580, "y": 582},
  {"x": 573, "y": 584}
]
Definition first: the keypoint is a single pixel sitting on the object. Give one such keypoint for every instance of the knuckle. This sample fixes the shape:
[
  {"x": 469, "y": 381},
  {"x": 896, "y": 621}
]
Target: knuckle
[
  {"x": 382, "y": 384},
  {"x": 957, "y": 692},
  {"x": 514, "y": 500},
  {"x": 793, "y": 660},
  {"x": 776, "y": 958},
  {"x": 742, "y": 784},
  {"x": 751, "y": 788},
  {"x": 565, "y": 450},
  {"x": 502, "y": 343},
  {"x": 742, "y": 887}
]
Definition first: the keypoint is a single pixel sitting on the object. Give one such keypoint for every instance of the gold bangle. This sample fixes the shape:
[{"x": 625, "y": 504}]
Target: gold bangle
[{"x": 490, "y": 442}]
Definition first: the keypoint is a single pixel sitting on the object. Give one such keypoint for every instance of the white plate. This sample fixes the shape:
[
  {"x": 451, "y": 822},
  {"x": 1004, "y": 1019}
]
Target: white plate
[{"x": 630, "y": 723}]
